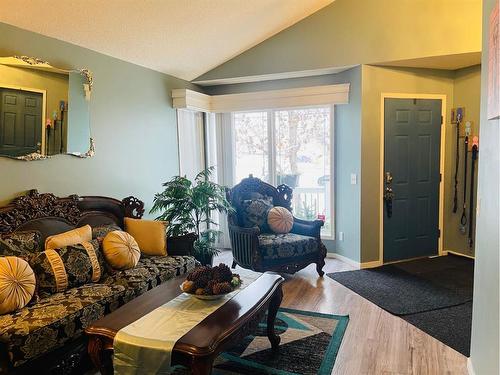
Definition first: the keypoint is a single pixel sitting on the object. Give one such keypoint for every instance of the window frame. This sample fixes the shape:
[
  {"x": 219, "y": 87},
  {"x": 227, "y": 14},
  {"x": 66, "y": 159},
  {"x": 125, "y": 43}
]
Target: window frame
[{"x": 271, "y": 133}]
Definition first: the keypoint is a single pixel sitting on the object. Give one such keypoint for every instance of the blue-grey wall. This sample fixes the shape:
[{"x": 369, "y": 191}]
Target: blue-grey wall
[
  {"x": 347, "y": 151},
  {"x": 133, "y": 123},
  {"x": 485, "y": 350}
]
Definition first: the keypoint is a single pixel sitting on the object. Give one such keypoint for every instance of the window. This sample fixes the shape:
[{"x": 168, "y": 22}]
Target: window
[
  {"x": 251, "y": 145},
  {"x": 293, "y": 147}
]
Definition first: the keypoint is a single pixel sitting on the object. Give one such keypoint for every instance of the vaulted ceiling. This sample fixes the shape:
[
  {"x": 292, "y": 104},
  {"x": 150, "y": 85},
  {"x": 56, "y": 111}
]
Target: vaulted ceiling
[{"x": 184, "y": 38}]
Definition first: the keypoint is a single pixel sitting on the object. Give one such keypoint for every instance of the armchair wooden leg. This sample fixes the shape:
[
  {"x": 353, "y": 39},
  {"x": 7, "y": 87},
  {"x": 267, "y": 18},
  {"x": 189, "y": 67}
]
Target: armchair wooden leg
[
  {"x": 321, "y": 260},
  {"x": 234, "y": 264}
]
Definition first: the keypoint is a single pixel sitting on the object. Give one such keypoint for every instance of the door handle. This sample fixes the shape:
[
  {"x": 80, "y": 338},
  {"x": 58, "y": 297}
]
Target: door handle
[{"x": 388, "y": 194}]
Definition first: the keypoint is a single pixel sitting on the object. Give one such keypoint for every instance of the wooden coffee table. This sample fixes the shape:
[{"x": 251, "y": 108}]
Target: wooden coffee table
[{"x": 198, "y": 348}]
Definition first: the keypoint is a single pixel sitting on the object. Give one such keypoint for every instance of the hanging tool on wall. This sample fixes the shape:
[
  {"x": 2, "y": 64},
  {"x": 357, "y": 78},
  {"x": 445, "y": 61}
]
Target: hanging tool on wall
[
  {"x": 457, "y": 159},
  {"x": 62, "y": 109},
  {"x": 475, "y": 151},
  {"x": 463, "y": 219}
]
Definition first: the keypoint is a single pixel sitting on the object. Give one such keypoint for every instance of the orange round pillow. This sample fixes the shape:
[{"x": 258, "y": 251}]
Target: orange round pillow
[
  {"x": 280, "y": 220},
  {"x": 17, "y": 284},
  {"x": 121, "y": 250}
]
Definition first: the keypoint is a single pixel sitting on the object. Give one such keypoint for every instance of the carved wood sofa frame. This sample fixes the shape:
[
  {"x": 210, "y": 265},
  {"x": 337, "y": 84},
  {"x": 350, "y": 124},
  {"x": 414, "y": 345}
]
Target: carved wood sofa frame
[
  {"x": 50, "y": 214},
  {"x": 245, "y": 241}
]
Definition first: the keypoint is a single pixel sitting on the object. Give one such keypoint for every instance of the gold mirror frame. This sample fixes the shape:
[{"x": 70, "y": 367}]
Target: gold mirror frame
[{"x": 88, "y": 78}]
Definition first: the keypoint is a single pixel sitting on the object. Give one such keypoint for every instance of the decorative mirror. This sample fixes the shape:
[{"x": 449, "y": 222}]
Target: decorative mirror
[{"x": 44, "y": 110}]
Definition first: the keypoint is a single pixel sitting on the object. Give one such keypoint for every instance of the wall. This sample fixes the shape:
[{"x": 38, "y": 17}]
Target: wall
[
  {"x": 352, "y": 32},
  {"x": 466, "y": 93},
  {"x": 485, "y": 314},
  {"x": 133, "y": 124},
  {"x": 378, "y": 80},
  {"x": 347, "y": 150}
]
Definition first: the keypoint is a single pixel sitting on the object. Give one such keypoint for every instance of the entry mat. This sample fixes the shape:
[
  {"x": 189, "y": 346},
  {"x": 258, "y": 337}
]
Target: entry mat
[
  {"x": 309, "y": 345},
  {"x": 433, "y": 294}
]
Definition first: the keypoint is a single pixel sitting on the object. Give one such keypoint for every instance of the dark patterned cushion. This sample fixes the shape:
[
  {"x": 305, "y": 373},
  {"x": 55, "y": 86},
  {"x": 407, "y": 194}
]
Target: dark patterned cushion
[
  {"x": 70, "y": 266},
  {"x": 58, "y": 319},
  {"x": 21, "y": 244},
  {"x": 102, "y": 231},
  {"x": 255, "y": 213},
  {"x": 151, "y": 271},
  {"x": 283, "y": 246}
]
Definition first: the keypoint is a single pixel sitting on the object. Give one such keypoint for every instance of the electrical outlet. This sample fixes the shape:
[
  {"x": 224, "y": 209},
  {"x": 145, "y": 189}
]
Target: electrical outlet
[
  {"x": 354, "y": 178},
  {"x": 341, "y": 236}
]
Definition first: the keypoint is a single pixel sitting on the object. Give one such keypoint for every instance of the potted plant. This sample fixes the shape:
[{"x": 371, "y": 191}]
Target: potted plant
[{"x": 188, "y": 207}]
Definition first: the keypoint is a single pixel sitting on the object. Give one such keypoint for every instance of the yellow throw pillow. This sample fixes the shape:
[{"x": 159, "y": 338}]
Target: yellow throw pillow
[
  {"x": 280, "y": 220},
  {"x": 17, "y": 284},
  {"x": 121, "y": 250},
  {"x": 72, "y": 237},
  {"x": 151, "y": 235}
]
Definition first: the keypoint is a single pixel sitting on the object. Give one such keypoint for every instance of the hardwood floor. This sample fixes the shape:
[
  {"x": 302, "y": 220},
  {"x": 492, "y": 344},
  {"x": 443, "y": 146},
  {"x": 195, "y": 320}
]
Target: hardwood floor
[{"x": 375, "y": 342}]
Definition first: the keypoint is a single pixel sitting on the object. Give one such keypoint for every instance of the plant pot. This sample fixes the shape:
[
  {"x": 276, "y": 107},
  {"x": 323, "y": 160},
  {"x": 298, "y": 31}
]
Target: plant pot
[
  {"x": 181, "y": 245},
  {"x": 205, "y": 259}
]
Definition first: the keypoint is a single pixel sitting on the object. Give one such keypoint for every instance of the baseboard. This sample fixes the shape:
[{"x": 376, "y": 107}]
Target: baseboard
[
  {"x": 344, "y": 259},
  {"x": 470, "y": 368},
  {"x": 372, "y": 264},
  {"x": 446, "y": 252},
  {"x": 353, "y": 263}
]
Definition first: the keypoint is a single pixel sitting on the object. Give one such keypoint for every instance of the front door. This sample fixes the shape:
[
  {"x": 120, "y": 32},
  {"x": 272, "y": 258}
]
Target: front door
[
  {"x": 411, "y": 170},
  {"x": 20, "y": 122}
]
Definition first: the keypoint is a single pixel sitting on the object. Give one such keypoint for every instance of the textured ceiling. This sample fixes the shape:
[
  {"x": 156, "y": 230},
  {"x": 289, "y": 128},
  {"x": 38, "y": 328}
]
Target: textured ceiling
[{"x": 184, "y": 38}]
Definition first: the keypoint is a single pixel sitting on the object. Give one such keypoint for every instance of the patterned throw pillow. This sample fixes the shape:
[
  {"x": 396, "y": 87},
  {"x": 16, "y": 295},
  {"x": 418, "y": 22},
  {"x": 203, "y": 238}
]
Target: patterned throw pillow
[
  {"x": 25, "y": 245},
  {"x": 101, "y": 231},
  {"x": 70, "y": 266},
  {"x": 255, "y": 213}
]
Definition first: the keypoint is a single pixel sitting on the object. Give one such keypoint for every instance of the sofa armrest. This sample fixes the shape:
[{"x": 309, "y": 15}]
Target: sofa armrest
[{"x": 307, "y": 228}]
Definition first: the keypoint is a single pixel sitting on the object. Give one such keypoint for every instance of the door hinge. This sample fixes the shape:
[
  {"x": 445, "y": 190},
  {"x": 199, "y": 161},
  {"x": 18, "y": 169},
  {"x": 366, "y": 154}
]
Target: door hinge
[
  {"x": 440, "y": 177},
  {"x": 439, "y": 233},
  {"x": 442, "y": 119}
]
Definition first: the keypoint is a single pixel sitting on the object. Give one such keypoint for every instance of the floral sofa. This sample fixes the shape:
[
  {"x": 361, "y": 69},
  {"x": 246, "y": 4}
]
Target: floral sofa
[{"x": 47, "y": 336}]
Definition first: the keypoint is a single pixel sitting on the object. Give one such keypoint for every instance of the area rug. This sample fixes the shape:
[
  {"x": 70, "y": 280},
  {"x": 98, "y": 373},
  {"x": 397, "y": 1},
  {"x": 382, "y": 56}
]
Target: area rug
[
  {"x": 309, "y": 345},
  {"x": 434, "y": 294}
]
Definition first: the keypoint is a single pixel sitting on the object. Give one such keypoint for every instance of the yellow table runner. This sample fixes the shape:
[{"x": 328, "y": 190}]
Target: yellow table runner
[{"x": 145, "y": 346}]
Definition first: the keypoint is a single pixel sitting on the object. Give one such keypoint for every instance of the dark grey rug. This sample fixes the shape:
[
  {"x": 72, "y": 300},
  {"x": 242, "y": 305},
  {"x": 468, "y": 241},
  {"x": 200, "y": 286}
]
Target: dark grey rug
[{"x": 434, "y": 294}]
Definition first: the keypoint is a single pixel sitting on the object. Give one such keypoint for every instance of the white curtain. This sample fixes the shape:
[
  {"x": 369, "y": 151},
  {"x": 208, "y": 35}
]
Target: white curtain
[
  {"x": 220, "y": 145},
  {"x": 191, "y": 142}
]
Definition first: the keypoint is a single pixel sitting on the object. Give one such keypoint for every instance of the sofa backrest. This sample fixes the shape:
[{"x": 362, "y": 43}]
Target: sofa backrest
[{"x": 51, "y": 215}]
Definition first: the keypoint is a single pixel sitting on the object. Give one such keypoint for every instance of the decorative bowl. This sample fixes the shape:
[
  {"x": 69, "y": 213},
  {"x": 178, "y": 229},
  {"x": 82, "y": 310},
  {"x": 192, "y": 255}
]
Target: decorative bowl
[{"x": 211, "y": 297}]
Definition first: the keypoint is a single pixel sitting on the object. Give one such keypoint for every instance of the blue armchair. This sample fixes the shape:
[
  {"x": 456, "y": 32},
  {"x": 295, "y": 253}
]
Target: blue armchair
[{"x": 255, "y": 247}]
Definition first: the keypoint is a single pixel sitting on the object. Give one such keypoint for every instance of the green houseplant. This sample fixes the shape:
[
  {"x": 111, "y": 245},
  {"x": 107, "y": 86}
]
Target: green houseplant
[{"x": 188, "y": 207}]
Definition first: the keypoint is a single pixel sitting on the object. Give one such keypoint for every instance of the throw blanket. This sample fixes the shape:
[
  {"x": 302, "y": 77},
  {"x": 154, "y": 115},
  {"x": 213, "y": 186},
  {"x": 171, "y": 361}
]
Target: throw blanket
[{"x": 145, "y": 346}]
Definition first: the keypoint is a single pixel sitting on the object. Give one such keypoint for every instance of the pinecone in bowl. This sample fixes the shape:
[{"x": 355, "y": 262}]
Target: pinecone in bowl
[
  {"x": 222, "y": 273},
  {"x": 222, "y": 288}
]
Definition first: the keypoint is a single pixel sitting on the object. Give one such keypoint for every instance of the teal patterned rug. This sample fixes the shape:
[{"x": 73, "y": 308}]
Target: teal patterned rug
[{"x": 309, "y": 345}]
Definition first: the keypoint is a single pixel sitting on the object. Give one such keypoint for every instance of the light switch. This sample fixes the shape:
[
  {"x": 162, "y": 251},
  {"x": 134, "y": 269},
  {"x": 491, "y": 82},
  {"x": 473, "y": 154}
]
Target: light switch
[
  {"x": 354, "y": 178},
  {"x": 341, "y": 236}
]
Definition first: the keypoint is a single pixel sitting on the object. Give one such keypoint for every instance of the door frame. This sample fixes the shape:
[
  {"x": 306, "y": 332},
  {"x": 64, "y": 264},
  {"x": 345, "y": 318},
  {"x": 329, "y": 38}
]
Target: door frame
[
  {"x": 44, "y": 107},
  {"x": 388, "y": 95}
]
